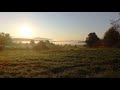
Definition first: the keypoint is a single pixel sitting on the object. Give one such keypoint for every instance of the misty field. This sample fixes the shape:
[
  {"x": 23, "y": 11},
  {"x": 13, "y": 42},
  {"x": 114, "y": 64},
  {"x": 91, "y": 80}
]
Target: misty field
[{"x": 64, "y": 63}]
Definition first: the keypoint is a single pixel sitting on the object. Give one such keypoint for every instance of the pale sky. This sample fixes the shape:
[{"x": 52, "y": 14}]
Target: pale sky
[{"x": 56, "y": 25}]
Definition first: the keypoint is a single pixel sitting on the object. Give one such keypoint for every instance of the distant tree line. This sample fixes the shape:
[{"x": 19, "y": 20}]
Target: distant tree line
[
  {"x": 7, "y": 43},
  {"x": 111, "y": 37},
  {"x": 43, "y": 45}
]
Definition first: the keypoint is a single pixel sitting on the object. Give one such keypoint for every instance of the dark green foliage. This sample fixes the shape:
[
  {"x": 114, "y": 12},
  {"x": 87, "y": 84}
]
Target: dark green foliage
[
  {"x": 92, "y": 40},
  {"x": 111, "y": 37}
]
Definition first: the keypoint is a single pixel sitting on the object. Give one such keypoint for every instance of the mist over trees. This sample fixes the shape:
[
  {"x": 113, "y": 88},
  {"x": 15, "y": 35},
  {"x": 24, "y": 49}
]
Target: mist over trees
[
  {"x": 40, "y": 46},
  {"x": 6, "y": 42},
  {"x": 111, "y": 38}
]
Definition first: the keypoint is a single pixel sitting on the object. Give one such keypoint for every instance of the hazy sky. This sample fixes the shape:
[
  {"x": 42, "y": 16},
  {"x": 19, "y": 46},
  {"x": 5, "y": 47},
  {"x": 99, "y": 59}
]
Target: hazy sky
[{"x": 57, "y": 25}]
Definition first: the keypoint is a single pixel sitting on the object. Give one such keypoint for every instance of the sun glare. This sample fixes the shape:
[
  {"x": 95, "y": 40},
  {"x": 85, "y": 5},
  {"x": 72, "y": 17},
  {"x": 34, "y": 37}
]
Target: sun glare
[{"x": 25, "y": 31}]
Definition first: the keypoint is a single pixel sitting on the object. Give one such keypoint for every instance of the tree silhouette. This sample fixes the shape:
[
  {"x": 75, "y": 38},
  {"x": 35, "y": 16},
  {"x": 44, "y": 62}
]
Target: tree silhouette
[
  {"x": 49, "y": 44},
  {"x": 111, "y": 37},
  {"x": 116, "y": 24},
  {"x": 40, "y": 46},
  {"x": 32, "y": 43},
  {"x": 92, "y": 40}
]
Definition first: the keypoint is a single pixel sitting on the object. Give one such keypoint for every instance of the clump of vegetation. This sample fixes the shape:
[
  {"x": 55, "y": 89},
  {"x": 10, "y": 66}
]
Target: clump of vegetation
[
  {"x": 49, "y": 44},
  {"x": 62, "y": 61},
  {"x": 5, "y": 40},
  {"x": 111, "y": 37},
  {"x": 92, "y": 40},
  {"x": 40, "y": 46},
  {"x": 32, "y": 43}
]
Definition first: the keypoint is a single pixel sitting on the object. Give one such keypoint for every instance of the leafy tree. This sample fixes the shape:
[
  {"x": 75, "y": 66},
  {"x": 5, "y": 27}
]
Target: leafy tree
[
  {"x": 92, "y": 40},
  {"x": 32, "y": 43},
  {"x": 116, "y": 24},
  {"x": 111, "y": 37},
  {"x": 5, "y": 39},
  {"x": 49, "y": 44},
  {"x": 40, "y": 46}
]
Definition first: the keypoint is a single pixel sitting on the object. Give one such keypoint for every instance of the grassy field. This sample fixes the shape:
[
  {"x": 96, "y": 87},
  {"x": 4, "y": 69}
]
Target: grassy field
[{"x": 64, "y": 63}]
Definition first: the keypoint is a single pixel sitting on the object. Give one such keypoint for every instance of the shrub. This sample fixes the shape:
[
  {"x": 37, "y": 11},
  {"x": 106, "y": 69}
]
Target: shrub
[
  {"x": 92, "y": 40},
  {"x": 40, "y": 46},
  {"x": 111, "y": 38}
]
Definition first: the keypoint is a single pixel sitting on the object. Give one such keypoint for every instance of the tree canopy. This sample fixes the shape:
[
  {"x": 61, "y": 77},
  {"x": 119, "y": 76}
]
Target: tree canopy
[
  {"x": 5, "y": 39},
  {"x": 92, "y": 40},
  {"x": 111, "y": 37},
  {"x": 32, "y": 43},
  {"x": 40, "y": 46}
]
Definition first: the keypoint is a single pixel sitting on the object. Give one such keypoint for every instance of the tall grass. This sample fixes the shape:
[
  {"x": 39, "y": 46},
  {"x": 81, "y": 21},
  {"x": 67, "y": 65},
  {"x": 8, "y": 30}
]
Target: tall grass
[{"x": 60, "y": 63}]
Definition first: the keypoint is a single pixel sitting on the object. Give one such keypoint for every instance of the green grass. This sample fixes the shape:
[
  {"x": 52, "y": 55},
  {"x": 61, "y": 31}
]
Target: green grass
[{"x": 64, "y": 63}]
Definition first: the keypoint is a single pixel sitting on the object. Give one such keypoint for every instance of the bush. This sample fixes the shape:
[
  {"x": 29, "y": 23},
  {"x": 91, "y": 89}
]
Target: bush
[
  {"x": 92, "y": 40},
  {"x": 40, "y": 46},
  {"x": 32, "y": 43},
  {"x": 5, "y": 39},
  {"x": 49, "y": 44},
  {"x": 111, "y": 38}
]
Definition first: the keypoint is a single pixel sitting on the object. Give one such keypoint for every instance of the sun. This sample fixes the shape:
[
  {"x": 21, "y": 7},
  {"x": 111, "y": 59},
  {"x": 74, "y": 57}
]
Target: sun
[{"x": 25, "y": 31}]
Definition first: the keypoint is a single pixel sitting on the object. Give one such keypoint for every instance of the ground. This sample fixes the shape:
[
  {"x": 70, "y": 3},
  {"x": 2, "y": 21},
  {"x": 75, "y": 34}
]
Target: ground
[{"x": 68, "y": 63}]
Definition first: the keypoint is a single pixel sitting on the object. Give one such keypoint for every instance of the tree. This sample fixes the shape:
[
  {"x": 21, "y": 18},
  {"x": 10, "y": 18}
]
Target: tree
[
  {"x": 111, "y": 37},
  {"x": 5, "y": 39},
  {"x": 116, "y": 24},
  {"x": 40, "y": 46},
  {"x": 49, "y": 44},
  {"x": 8, "y": 41},
  {"x": 92, "y": 40},
  {"x": 32, "y": 43}
]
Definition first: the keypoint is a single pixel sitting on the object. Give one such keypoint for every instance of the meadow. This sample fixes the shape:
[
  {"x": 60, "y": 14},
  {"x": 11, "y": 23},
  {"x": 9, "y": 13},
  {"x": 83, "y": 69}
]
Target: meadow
[{"x": 62, "y": 63}]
